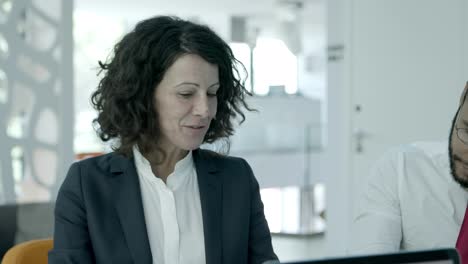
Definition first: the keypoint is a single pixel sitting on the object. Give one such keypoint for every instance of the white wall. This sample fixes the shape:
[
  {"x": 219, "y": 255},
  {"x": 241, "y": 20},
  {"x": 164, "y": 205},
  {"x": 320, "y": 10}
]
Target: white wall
[{"x": 336, "y": 161}]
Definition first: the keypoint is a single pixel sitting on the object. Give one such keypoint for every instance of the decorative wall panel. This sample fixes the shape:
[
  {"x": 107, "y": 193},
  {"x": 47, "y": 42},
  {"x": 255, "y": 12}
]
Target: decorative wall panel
[{"x": 36, "y": 98}]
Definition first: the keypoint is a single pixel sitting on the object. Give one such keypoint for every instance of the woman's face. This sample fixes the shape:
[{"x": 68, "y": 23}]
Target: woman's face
[{"x": 186, "y": 102}]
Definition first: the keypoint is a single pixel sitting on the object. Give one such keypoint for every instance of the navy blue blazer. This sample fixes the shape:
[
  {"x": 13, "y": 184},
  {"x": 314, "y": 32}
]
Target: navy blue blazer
[{"x": 99, "y": 214}]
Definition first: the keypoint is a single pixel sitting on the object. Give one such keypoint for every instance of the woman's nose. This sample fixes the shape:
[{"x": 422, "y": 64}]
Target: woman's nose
[{"x": 201, "y": 107}]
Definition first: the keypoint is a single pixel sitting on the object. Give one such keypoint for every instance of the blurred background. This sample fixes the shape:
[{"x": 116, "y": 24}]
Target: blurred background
[{"x": 336, "y": 83}]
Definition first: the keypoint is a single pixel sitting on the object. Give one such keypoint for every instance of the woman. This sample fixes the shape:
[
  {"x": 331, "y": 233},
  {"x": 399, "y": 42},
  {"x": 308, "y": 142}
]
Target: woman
[{"x": 170, "y": 86}]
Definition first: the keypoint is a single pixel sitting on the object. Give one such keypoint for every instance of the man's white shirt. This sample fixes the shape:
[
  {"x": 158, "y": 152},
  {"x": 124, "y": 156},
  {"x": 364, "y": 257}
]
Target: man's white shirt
[{"x": 410, "y": 202}]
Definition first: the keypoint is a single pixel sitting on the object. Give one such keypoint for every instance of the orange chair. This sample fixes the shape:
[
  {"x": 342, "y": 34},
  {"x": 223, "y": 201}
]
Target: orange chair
[{"x": 29, "y": 252}]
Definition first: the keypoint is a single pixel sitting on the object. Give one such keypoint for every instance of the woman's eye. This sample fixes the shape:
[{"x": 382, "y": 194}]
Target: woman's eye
[
  {"x": 211, "y": 94},
  {"x": 185, "y": 95}
]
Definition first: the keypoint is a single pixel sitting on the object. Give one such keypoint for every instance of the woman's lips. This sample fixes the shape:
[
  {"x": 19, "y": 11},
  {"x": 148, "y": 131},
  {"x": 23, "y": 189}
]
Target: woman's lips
[{"x": 195, "y": 127}]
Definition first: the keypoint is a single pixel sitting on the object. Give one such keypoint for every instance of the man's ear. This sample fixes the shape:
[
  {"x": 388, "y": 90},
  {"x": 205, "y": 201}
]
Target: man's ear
[{"x": 464, "y": 94}]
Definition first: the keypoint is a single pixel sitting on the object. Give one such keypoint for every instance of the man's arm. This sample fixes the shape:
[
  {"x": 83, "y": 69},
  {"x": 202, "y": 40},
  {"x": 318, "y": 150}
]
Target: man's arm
[{"x": 377, "y": 226}]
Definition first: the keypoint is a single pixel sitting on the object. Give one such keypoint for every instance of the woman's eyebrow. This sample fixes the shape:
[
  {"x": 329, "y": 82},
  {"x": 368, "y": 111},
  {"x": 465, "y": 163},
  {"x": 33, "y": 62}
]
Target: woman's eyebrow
[
  {"x": 195, "y": 84},
  {"x": 187, "y": 83}
]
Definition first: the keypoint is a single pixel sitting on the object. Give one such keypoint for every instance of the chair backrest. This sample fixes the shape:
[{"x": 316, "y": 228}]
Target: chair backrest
[
  {"x": 24, "y": 222},
  {"x": 30, "y": 252},
  {"x": 8, "y": 227}
]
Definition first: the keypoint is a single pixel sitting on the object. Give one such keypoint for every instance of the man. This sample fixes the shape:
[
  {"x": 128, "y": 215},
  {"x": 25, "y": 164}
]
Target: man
[{"x": 416, "y": 196}]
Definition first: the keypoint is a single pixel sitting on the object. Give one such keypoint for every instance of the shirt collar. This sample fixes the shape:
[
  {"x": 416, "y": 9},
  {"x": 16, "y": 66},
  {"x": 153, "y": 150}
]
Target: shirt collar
[
  {"x": 182, "y": 170},
  {"x": 181, "y": 173}
]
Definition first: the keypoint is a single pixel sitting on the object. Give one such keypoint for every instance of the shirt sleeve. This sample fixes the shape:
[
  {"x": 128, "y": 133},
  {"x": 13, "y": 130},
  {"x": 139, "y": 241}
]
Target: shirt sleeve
[{"x": 376, "y": 227}]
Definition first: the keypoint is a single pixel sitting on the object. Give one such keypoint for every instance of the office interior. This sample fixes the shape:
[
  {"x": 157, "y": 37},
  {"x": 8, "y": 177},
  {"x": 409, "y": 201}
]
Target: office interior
[{"x": 336, "y": 83}]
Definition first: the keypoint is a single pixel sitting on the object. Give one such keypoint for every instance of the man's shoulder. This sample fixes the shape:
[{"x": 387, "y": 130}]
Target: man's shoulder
[
  {"x": 415, "y": 155},
  {"x": 430, "y": 148},
  {"x": 421, "y": 149}
]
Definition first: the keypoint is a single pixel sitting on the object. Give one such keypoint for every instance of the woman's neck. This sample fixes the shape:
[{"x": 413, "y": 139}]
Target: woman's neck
[{"x": 167, "y": 162}]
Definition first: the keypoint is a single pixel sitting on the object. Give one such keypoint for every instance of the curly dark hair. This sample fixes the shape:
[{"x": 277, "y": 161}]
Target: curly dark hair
[{"x": 124, "y": 96}]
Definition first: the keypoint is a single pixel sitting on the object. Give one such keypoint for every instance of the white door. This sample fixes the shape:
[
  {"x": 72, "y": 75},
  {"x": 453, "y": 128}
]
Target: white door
[
  {"x": 407, "y": 72},
  {"x": 404, "y": 68}
]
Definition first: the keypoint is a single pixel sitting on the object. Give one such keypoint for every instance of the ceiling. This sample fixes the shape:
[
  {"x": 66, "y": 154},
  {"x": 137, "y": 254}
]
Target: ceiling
[{"x": 137, "y": 9}]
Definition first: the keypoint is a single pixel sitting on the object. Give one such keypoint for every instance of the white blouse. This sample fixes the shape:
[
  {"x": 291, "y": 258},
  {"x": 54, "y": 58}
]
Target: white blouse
[{"x": 172, "y": 211}]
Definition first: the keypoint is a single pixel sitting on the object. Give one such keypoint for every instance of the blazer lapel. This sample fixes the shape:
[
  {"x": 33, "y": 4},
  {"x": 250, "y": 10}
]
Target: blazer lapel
[
  {"x": 210, "y": 186},
  {"x": 129, "y": 205}
]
